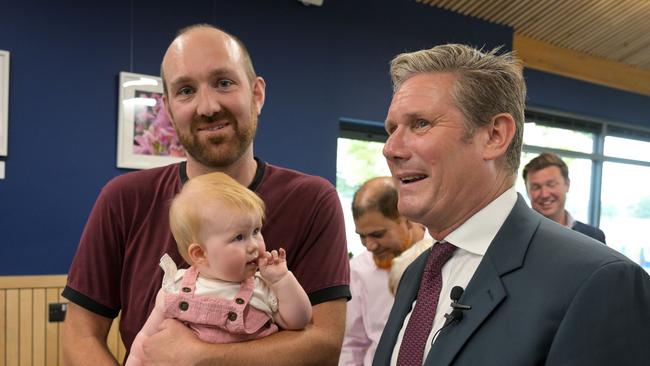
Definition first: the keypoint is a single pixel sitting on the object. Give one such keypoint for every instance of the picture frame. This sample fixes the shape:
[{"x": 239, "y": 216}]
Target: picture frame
[
  {"x": 4, "y": 101},
  {"x": 145, "y": 135}
]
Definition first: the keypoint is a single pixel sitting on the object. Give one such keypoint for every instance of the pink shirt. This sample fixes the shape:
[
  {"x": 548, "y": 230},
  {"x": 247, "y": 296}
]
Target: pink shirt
[{"x": 367, "y": 311}]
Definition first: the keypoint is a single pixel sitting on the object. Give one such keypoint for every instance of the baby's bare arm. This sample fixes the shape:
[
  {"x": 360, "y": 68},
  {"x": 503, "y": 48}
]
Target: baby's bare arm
[{"x": 294, "y": 308}]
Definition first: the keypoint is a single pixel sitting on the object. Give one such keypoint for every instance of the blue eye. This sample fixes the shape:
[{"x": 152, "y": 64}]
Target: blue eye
[
  {"x": 421, "y": 123},
  {"x": 184, "y": 91},
  {"x": 224, "y": 83}
]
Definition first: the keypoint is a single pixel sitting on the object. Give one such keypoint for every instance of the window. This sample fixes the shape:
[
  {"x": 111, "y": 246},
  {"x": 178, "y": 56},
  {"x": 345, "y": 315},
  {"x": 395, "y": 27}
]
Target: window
[
  {"x": 609, "y": 168},
  {"x": 358, "y": 158}
]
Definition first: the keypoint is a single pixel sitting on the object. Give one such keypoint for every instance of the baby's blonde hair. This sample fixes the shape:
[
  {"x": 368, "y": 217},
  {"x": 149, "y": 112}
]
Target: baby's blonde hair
[{"x": 188, "y": 208}]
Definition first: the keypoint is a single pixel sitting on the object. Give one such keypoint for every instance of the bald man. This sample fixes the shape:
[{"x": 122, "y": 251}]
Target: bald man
[
  {"x": 386, "y": 235},
  {"x": 214, "y": 98}
]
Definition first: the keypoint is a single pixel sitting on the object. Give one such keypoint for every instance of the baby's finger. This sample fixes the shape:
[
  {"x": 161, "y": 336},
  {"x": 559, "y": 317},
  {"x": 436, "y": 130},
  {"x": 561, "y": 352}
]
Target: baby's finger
[
  {"x": 283, "y": 254},
  {"x": 274, "y": 253}
]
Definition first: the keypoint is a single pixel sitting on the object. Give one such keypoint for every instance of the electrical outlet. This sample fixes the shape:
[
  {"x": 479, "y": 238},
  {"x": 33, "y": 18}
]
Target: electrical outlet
[{"x": 57, "y": 312}]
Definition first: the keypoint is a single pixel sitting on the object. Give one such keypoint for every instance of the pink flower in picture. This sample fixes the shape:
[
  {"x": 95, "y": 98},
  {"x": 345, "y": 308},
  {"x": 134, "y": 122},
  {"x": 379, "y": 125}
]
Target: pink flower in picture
[{"x": 153, "y": 133}]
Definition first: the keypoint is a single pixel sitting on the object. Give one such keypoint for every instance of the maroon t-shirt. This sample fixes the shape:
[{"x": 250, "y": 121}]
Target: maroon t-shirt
[{"x": 116, "y": 265}]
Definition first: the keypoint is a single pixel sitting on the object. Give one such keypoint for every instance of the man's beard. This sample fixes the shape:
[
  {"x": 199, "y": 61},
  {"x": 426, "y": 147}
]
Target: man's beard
[
  {"x": 231, "y": 148},
  {"x": 386, "y": 260}
]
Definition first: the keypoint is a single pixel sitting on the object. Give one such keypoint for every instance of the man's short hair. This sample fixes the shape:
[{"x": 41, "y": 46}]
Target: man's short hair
[
  {"x": 543, "y": 161},
  {"x": 246, "y": 57},
  {"x": 188, "y": 212},
  {"x": 377, "y": 194},
  {"x": 487, "y": 84}
]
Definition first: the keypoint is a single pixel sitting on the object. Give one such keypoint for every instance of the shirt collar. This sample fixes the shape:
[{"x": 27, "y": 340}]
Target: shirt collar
[
  {"x": 570, "y": 221},
  {"x": 476, "y": 234}
]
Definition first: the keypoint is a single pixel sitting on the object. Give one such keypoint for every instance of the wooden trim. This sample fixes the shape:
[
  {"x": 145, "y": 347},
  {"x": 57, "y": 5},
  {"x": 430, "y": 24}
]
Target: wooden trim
[
  {"x": 24, "y": 282},
  {"x": 549, "y": 58}
]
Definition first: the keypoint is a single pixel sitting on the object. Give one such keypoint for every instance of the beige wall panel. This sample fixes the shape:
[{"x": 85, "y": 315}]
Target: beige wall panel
[
  {"x": 26, "y": 321},
  {"x": 38, "y": 326},
  {"x": 52, "y": 332},
  {"x": 12, "y": 330},
  {"x": 3, "y": 326}
]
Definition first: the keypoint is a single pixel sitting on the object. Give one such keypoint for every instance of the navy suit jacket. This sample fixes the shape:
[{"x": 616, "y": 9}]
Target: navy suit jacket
[
  {"x": 589, "y": 230},
  {"x": 542, "y": 295}
]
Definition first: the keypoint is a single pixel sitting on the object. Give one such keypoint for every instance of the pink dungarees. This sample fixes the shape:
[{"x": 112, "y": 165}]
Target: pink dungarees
[{"x": 218, "y": 320}]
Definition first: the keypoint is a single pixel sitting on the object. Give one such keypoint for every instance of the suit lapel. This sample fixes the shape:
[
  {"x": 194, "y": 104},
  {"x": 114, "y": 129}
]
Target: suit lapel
[{"x": 485, "y": 290}]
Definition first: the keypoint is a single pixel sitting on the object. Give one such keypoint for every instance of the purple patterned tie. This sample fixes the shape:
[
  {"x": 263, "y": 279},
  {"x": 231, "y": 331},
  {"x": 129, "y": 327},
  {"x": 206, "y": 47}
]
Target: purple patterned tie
[{"x": 411, "y": 351}]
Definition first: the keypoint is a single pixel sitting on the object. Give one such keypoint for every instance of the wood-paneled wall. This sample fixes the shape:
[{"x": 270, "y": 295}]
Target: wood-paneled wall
[{"x": 26, "y": 335}]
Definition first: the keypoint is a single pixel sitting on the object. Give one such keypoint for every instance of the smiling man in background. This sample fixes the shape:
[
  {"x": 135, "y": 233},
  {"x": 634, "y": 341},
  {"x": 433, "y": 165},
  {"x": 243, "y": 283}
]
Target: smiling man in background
[{"x": 547, "y": 183}]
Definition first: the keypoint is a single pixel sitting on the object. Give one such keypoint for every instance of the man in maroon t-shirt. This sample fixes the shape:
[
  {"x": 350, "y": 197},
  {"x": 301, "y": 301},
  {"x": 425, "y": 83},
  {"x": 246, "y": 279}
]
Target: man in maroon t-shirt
[{"x": 213, "y": 97}]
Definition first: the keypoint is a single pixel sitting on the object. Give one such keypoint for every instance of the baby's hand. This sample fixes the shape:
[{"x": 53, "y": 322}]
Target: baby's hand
[{"x": 273, "y": 266}]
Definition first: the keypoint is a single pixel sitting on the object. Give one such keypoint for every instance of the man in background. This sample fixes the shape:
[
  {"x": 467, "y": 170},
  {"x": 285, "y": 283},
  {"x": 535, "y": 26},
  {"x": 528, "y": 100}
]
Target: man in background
[
  {"x": 386, "y": 235},
  {"x": 547, "y": 183}
]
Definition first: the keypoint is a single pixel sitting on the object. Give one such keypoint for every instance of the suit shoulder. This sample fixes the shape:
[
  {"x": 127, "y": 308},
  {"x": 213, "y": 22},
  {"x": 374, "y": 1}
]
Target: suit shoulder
[{"x": 568, "y": 245}]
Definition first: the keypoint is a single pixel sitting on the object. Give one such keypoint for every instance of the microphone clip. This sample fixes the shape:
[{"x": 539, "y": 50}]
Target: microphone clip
[{"x": 457, "y": 306}]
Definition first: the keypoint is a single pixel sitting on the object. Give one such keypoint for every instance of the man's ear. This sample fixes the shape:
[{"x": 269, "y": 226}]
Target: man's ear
[
  {"x": 501, "y": 131},
  {"x": 196, "y": 253},
  {"x": 165, "y": 101},
  {"x": 259, "y": 93}
]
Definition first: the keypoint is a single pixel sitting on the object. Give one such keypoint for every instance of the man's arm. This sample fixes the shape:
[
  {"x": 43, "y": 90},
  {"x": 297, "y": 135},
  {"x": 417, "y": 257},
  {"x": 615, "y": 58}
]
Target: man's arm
[
  {"x": 607, "y": 320},
  {"x": 84, "y": 338},
  {"x": 318, "y": 344}
]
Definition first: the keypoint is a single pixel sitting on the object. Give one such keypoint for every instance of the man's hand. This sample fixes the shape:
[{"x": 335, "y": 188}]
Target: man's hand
[{"x": 173, "y": 344}]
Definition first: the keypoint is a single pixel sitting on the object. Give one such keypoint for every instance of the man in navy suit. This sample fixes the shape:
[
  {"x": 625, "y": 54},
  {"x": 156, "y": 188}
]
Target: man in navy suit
[
  {"x": 547, "y": 183},
  {"x": 539, "y": 293}
]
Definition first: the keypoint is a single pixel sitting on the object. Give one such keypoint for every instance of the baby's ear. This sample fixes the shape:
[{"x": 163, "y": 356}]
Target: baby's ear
[{"x": 196, "y": 254}]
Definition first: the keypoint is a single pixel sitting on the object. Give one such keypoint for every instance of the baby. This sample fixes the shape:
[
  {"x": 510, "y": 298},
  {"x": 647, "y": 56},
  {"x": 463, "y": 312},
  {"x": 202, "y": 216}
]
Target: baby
[{"x": 216, "y": 223}]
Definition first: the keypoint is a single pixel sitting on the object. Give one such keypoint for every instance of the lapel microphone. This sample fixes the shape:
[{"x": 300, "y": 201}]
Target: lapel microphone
[
  {"x": 456, "y": 293},
  {"x": 457, "y": 313}
]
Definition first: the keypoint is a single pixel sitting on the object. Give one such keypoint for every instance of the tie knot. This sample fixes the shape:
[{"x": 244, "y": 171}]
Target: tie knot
[{"x": 439, "y": 255}]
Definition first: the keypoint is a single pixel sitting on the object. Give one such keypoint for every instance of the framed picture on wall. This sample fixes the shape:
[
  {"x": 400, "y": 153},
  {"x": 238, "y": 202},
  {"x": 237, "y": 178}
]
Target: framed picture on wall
[
  {"x": 145, "y": 135},
  {"x": 4, "y": 101}
]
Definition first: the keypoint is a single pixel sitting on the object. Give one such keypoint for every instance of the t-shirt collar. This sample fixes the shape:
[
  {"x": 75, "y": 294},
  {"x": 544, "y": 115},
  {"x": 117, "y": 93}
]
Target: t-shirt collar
[{"x": 257, "y": 179}]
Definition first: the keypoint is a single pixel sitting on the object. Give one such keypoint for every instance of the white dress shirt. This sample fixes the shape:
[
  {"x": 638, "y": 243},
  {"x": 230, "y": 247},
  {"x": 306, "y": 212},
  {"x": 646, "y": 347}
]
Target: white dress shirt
[{"x": 472, "y": 239}]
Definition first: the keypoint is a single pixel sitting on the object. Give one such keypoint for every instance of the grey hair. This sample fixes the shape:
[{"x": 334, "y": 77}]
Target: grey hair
[{"x": 487, "y": 84}]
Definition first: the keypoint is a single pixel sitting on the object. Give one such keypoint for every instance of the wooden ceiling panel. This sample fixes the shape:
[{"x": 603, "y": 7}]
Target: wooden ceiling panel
[{"x": 614, "y": 30}]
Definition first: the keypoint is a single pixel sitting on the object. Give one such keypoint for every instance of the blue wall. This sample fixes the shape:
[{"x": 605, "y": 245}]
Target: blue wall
[
  {"x": 320, "y": 64},
  {"x": 579, "y": 97}
]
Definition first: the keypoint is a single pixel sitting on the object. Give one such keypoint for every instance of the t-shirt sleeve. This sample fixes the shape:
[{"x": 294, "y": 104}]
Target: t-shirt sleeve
[
  {"x": 94, "y": 277},
  {"x": 324, "y": 269}
]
